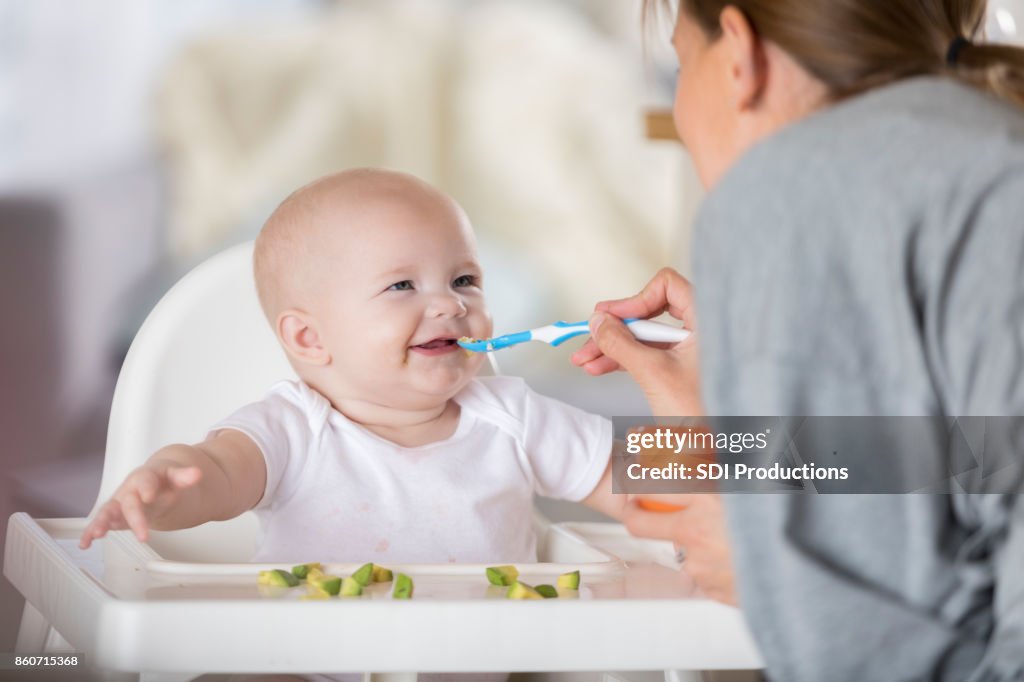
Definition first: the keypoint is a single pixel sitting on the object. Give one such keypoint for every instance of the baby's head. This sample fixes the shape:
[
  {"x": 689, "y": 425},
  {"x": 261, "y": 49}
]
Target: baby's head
[{"x": 369, "y": 277}]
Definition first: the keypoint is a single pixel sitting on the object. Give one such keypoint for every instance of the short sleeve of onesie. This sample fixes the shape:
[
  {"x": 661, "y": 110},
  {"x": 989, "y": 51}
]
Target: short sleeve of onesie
[
  {"x": 284, "y": 425},
  {"x": 566, "y": 448}
]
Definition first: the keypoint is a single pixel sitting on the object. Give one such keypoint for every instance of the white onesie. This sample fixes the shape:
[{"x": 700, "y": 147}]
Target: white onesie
[{"x": 339, "y": 493}]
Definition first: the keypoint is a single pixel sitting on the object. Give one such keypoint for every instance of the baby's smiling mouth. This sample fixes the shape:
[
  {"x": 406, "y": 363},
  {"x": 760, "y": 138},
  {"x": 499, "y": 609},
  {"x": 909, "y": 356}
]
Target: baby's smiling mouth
[{"x": 437, "y": 346}]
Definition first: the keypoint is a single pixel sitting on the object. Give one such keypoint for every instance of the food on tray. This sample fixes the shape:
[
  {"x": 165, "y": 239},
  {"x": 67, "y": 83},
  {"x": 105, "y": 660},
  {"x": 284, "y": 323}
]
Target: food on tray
[
  {"x": 350, "y": 587},
  {"x": 547, "y": 591},
  {"x": 277, "y": 578},
  {"x": 502, "y": 575},
  {"x": 403, "y": 587},
  {"x": 570, "y": 581},
  {"x": 302, "y": 570},
  {"x": 520, "y": 590},
  {"x": 328, "y": 584},
  {"x": 323, "y": 586},
  {"x": 364, "y": 574},
  {"x": 315, "y": 595}
]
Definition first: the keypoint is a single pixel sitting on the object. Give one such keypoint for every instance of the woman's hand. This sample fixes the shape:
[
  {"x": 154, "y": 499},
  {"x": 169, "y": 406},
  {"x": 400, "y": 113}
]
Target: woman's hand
[
  {"x": 697, "y": 530},
  {"x": 669, "y": 377}
]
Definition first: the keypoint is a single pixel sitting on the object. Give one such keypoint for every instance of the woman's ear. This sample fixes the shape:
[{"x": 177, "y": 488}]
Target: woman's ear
[
  {"x": 748, "y": 66},
  {"x": 298, "y": 333}
]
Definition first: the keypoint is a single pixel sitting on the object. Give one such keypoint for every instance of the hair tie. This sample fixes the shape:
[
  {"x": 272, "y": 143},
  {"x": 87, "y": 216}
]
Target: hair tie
[{"x": 953, "y": 52}]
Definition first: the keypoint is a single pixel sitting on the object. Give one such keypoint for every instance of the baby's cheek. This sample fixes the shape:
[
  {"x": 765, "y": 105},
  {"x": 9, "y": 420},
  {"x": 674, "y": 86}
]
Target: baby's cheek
[{"x": 482, "y": 325}]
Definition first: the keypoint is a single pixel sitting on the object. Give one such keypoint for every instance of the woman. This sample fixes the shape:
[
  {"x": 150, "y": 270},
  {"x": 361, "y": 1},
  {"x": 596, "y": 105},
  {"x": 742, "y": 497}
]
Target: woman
[{"x": 861, "y": 252}]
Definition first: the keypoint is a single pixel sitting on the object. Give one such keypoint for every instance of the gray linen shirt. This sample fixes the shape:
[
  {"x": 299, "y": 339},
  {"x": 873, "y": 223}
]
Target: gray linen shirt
[{"x": 869, "y": 260}]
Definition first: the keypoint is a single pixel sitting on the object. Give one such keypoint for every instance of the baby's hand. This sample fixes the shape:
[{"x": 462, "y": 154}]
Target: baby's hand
[{"x": 146, "y": 495}]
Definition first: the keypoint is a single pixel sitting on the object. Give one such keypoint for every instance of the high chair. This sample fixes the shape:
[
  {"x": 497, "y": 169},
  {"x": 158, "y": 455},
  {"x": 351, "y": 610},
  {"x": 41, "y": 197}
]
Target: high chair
[{"x": 205, "y": 350}]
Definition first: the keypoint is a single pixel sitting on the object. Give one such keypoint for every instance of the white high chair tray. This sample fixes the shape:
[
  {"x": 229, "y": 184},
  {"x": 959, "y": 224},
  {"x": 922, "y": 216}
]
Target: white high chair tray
[{"x": 126, "y": 608}]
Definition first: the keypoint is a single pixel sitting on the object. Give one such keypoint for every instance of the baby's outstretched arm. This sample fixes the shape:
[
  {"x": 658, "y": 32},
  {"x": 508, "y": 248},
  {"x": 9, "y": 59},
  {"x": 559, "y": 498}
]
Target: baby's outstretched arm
[
  {"x": 181, "y": 486},
  {"x": 602, "y": 498}
]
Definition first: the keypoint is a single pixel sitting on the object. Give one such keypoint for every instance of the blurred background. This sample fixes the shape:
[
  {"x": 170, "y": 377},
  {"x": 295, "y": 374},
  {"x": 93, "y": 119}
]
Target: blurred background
[{"x": 138, "y": 137}]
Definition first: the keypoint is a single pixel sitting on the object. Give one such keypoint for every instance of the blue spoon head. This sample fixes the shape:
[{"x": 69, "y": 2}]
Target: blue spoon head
[
  {"x": 497, "y": 343},
  {"x": 476, "y": 345}
]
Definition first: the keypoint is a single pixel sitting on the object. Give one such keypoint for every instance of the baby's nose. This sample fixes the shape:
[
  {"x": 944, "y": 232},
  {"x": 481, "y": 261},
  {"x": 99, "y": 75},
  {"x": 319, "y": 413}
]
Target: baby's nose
[{"x": 447, "y": 305}]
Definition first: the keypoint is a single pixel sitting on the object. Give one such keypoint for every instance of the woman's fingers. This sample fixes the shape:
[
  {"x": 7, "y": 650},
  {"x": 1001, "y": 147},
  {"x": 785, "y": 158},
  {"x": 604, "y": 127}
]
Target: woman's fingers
[
  {"x": 669, "y": 377},
  {"x": 667, "y": 291},
  {"x": 601, "y": 366},
  {"x": 585, "y": 353},
  {"x": 698, "y": 529},
  {"x": 590, "y": 358},
  {"x": 648, "y": 524},
  {"x": 616, "y": 342}
]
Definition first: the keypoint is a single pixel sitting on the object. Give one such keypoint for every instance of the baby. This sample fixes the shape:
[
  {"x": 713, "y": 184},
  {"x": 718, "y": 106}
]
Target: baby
[{"x": 388, "y": 449}]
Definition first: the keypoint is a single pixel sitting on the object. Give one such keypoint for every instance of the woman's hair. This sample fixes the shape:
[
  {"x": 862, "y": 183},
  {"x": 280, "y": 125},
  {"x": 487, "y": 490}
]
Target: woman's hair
[{"x": 856, "y": 45}]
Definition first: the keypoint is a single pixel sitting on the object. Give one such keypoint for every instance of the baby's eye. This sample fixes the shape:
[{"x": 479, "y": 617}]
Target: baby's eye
[
  {"x": 465, "y": 281},
  {"x": 404, "y": 285}
]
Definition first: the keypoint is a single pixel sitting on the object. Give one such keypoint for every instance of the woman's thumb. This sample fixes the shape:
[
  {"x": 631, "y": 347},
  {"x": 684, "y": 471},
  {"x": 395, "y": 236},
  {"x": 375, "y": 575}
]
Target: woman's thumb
[{"x": 615, "y": 340}]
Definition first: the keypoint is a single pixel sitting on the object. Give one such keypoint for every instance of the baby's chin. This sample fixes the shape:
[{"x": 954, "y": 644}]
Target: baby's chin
[{"x": 442, "y": 383}]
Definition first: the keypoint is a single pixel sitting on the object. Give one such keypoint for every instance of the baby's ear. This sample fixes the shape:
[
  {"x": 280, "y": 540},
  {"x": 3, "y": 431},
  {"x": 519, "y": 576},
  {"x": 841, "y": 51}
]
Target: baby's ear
[{"x": 298, "y": 333}]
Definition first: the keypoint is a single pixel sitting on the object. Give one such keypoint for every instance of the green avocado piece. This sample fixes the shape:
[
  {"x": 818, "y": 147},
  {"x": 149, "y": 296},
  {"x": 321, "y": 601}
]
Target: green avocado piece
[
  {"x": 350, "y": 587},
  {"x": 364, "y": 575},
  {"x": 570, "y": 581},
  {"x": 382, "y": 575},
  {"x": 520, "y": 590},
  {"x": 403, "y": 587},
  {"x": 502, "y": 575},
  {"x": 331, "y": 584},
  {"x": 547, "y": 591},
  {"x": 302, "y": 570},
  {"x": 278, "y": 578}
]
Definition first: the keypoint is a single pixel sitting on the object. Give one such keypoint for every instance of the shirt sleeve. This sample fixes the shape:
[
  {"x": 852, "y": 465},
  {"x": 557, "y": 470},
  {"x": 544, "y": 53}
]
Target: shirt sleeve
[
  {"x": 281, "y": 429},
  {"x": 567, "y": 449},
  {"x": 978, "y": 351}
]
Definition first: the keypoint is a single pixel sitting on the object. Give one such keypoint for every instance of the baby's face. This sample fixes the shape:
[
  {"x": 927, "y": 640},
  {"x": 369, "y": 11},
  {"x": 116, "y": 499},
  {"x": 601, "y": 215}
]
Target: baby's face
[{"x": 400, "y": 284}]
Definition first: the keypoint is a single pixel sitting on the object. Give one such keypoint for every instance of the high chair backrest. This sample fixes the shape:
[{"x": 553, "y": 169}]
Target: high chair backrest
[{"x": 204, "y": 351}]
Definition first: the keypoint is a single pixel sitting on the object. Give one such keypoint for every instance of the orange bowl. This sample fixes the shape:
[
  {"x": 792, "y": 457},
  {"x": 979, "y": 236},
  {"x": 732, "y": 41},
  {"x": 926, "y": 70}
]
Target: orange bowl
[{"x": 654, "y": 506}]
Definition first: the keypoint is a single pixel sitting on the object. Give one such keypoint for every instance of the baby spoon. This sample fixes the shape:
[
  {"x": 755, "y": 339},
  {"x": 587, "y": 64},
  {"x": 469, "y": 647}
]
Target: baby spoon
[{"x": 560, "y": 332}]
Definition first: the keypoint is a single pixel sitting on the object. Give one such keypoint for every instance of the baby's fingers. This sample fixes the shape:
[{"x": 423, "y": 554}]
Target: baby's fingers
[
  {"x": 95, "y": 529},
  {"x": 184, "y": 477},
  {"x": 146, "y": 484},
  {"x": 107, "y": 518},
  {"x": 134, "y": 515}
]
